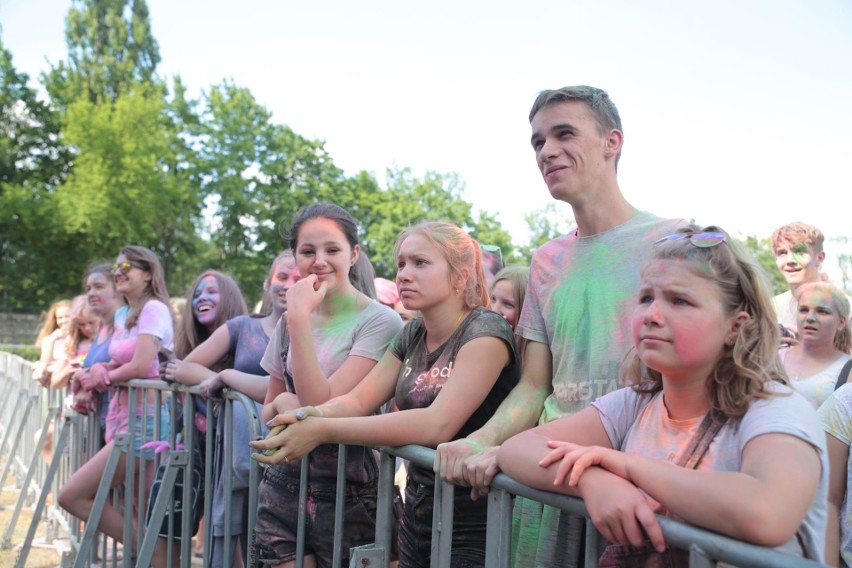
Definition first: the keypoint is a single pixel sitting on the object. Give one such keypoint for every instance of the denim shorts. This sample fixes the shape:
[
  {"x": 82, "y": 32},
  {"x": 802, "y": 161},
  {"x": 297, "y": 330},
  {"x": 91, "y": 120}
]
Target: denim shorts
[
  {"x": 278, "y": 512},
  {"x": 415, "y": 531},
  {"x": 144, "y": 429}
]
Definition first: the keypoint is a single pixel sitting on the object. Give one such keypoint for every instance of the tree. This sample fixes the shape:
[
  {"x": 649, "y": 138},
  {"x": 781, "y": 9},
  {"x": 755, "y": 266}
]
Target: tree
[
  {"x": 762, "y": 251},
  {"x": 407, "y": 200},
  {"x": 844, "y": 262},
  {"x": 110, "y": 48},
  {"x": 32, "y": 163},
  {"x": 254, "y": 175},
  {"x": 129, "y": 184},
  {"x": 544, "y": 224}
]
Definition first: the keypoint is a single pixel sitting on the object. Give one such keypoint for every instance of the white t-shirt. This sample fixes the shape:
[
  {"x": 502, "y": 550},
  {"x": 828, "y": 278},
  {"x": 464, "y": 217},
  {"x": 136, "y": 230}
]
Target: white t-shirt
[
  {"x": 836, "y": 416},
  {"x": 819, "y": 386}
]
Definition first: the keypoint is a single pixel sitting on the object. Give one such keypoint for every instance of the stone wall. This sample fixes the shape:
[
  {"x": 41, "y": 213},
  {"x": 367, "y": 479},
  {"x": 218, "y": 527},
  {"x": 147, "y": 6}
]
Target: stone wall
[{"x": 18, "y": 329}]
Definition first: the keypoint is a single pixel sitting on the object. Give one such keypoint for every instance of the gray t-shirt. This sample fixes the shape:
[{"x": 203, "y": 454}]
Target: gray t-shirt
[
  {"x": 639, "y": 424},
  {"x": 365, "y": 335},
  {"x": 836, "y": 416},
  {"x": 581, "y": 295}
]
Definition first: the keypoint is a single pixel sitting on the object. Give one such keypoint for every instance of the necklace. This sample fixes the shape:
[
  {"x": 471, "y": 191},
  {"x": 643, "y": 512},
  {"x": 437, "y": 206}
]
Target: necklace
[{"x": 449, "y": 335}]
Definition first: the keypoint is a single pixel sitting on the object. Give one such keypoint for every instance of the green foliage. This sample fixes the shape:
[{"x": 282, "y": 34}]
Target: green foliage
[
  {"x": 206, "y": 183},
  {"x": 127, "y": 185},
  {"x": 254, "y": 175},
  {"x": 844, "y": 262},
  {"x": 408, "y": 200},
  {"x": 761, "y": 249},
  {"x": 28, "y": 352},
  {"x": 544, "y": 224},
  {"x": 32, "y": 163},
  {"x": 110, "y": 49}
]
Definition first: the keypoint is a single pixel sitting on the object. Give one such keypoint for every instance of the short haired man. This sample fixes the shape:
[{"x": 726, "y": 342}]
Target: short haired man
[
  {"x": 582, "y": 290},
  {"x": 799, "y": 257}
]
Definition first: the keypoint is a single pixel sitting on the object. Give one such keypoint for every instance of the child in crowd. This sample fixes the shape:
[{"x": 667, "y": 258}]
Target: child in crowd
[
  {"x": 242, "y": 342},
  {"x": 51, "y": 341},
  {"x": 330, "y": 337},
  {"x": 508, "y": 291},
  {"x": 142, "y": 326},
  {"x": 709, "y": 433},
  {"x": 814, "y": 364},
  {"x": 78, "y": 340},
  {"x": 448, "y": 370},
  {"x": 211, "y": 300},
  {"x": 103, "y": 302}
]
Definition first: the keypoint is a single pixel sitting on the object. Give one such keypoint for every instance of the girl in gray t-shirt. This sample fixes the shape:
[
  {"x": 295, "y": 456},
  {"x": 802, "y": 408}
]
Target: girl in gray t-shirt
[{"x": 709, "y": 433}]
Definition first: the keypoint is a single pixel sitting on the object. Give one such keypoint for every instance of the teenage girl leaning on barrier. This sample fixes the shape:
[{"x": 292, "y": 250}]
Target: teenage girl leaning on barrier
[
  {"x": 337, "y": 333},
  {"x": 448, "y": 371},
  {"x": 709, "y": 432},
  {"x": 242, "y": 342},
  {"x": 142, "y": 326}
]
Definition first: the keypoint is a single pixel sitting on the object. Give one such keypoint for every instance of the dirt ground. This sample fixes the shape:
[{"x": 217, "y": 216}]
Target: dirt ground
[{"x": 39, "y": 556}]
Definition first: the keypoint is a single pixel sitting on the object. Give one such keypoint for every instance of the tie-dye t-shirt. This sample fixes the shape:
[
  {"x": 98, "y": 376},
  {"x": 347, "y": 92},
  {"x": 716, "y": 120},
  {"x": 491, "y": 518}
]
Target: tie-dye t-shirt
[
  {"x": 640, "y": 424},
  {"x": 580, "y": 298},
  {"x": 836, "y": 417}
]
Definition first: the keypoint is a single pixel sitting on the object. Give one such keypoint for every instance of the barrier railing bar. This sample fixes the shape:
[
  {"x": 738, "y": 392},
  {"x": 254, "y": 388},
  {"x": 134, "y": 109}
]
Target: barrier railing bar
[
  {"x": 303, "y": 513},
  {"x": 498, "y": 540},
  {"x": 42, "y": 499},
  {"x": 16, "y": 440},
  {"x": 227, "y": 464},
  {"x": 89, "y": 535},
  {"x": 339, "y": 498}
]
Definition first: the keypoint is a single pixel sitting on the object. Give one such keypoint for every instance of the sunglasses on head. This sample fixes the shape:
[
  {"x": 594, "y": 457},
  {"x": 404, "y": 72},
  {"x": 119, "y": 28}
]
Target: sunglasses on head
[
  {"x": 701, "y": 240},
  {"x": 124, "y": 267}
]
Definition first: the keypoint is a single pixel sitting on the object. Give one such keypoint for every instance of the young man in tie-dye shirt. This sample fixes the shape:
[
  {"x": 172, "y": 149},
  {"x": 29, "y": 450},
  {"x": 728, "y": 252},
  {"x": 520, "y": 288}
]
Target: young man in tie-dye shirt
[{"x": 581, "y": 293}]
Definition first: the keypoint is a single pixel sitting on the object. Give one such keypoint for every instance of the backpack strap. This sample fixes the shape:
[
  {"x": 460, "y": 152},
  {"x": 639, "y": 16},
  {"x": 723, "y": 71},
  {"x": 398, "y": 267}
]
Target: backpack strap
[
  {"x": 701, "y": 440},
  {"x": 844, "y": 374}
]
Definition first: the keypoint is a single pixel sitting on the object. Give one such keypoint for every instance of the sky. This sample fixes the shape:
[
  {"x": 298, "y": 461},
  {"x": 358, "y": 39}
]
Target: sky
[{"x": 735, "y": 112}]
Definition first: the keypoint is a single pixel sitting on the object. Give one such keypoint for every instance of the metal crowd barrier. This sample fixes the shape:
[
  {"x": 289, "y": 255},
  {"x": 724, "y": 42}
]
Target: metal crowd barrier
[
  {"x": 705, "y": 548},
  {"x": 30, "y": 417}
]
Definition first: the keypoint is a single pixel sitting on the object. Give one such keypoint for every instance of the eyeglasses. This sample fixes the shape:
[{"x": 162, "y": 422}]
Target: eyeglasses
[
  {"x": 124, "y": 267},
  {"x": 701, "y": 240}
]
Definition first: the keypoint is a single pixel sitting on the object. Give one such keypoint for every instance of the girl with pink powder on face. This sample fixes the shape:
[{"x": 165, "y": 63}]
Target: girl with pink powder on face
[
  {"x": 230, "y": 358},
  {"x": 709, "y": 432}
]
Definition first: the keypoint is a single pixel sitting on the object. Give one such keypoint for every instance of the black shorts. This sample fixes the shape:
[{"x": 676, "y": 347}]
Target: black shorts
[
  {"x": 278, "y": 513},
  {"x": 415, "y": 532}
]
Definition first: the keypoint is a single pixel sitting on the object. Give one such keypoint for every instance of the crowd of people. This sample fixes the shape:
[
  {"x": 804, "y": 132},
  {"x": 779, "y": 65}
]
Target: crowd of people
[{"x": 639, "y": 363}]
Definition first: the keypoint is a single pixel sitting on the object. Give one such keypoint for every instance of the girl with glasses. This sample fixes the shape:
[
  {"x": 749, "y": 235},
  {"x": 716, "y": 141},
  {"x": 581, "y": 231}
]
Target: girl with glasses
[
  {"x": 708, "y": 430},
  {"x": 142, "y": 326}
]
